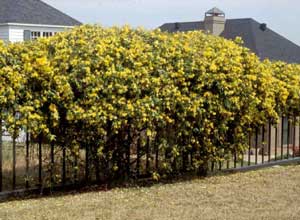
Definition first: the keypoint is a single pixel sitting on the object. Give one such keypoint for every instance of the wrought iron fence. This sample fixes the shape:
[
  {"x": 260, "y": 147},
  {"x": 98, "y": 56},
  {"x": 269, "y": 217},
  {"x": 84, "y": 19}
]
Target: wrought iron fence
[{"x": 31, "y": 164}]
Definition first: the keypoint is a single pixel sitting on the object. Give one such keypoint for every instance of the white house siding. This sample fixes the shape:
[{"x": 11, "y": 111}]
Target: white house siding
[
  {"x": 16, "y": 32},
  {"x": 4, "y": 33}
]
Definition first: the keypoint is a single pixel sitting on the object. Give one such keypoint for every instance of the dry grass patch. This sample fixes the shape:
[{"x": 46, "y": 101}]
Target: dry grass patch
[{"x": 266, "y": 194}]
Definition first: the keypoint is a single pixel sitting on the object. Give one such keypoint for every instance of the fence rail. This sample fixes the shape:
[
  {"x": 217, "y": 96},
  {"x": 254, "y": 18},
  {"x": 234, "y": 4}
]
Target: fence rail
[{"x": 35, "y": 165}]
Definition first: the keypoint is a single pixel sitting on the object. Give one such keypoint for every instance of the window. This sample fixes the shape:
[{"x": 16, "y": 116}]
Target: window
[
  {"x": 35, "y": 35},
  {"x": 47, "y": 34}
]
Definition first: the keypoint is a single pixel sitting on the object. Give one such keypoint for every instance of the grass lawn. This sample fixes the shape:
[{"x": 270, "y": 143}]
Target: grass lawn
[{"x": 266, "y": 194}]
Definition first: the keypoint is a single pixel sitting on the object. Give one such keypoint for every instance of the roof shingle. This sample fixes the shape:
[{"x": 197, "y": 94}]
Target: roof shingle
[
  {"x": 33, "y": 12},
  {"x": 265, "y": 43}
]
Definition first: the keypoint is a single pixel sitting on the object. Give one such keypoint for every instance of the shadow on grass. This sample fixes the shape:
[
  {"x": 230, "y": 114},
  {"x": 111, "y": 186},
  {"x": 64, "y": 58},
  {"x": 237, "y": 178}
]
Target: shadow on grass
[{"x": 145, "y": 182}]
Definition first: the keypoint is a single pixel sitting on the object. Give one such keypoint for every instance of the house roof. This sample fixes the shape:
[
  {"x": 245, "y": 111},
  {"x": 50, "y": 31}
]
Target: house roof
[
  {"x": 33, "y": 12},
  {"x": 264, "y": 42}
]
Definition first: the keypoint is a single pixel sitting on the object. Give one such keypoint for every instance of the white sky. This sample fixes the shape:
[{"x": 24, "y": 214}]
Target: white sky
[{"x": 283, "y": 16}]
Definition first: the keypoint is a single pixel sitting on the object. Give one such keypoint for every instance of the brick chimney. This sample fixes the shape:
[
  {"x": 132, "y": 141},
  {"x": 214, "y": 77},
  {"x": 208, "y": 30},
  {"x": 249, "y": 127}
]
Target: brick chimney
[{"x": 214, "y": 21}]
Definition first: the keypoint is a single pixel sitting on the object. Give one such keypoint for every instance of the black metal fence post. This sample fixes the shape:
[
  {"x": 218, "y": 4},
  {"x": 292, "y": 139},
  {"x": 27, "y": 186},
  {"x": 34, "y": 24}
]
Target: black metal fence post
[
  {"x": 40, "y": 139},
  {"x": 52, "y": 163},
  {"x": 242, "y": 159},
  {"x": 138, "y": 159},
  {"x": 228, "y": 163},
  {"x": 294, "y": 135},
  {"x": 148, "y": 156},
  {"x": 87, "y": 164},
  {"x": 76, "y": 167},
  {"x": 1, "y": 132},
  {"x": 64, "y": 166},
  {"x": 220, "y": 165},
  {"x": 298, "y": 151},
  {"x": 276, "y": 141},
  {"x": 234, "y": 158},
  {"x": 282, "y": 136},
  {"x": 249, "y": 149},
  {"x": 14, "y": 160},
  {"x": 263, "y": 145},
  {"x": 288, "y": 138},
  {"x": 27, "y": 160},
  {"x": 157, "y": 154},
  {"x": 185, "y": 161},
  {"x": 256, "y": 145},
  {"x": 128, "y": 150},
  {"x": 269, "y": 141},
  {"x": 212, "y": 166}
]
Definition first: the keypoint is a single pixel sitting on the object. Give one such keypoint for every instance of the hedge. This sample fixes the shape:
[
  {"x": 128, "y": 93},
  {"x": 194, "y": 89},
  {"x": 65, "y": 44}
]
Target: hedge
[{"x": 110, "y": 90}]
